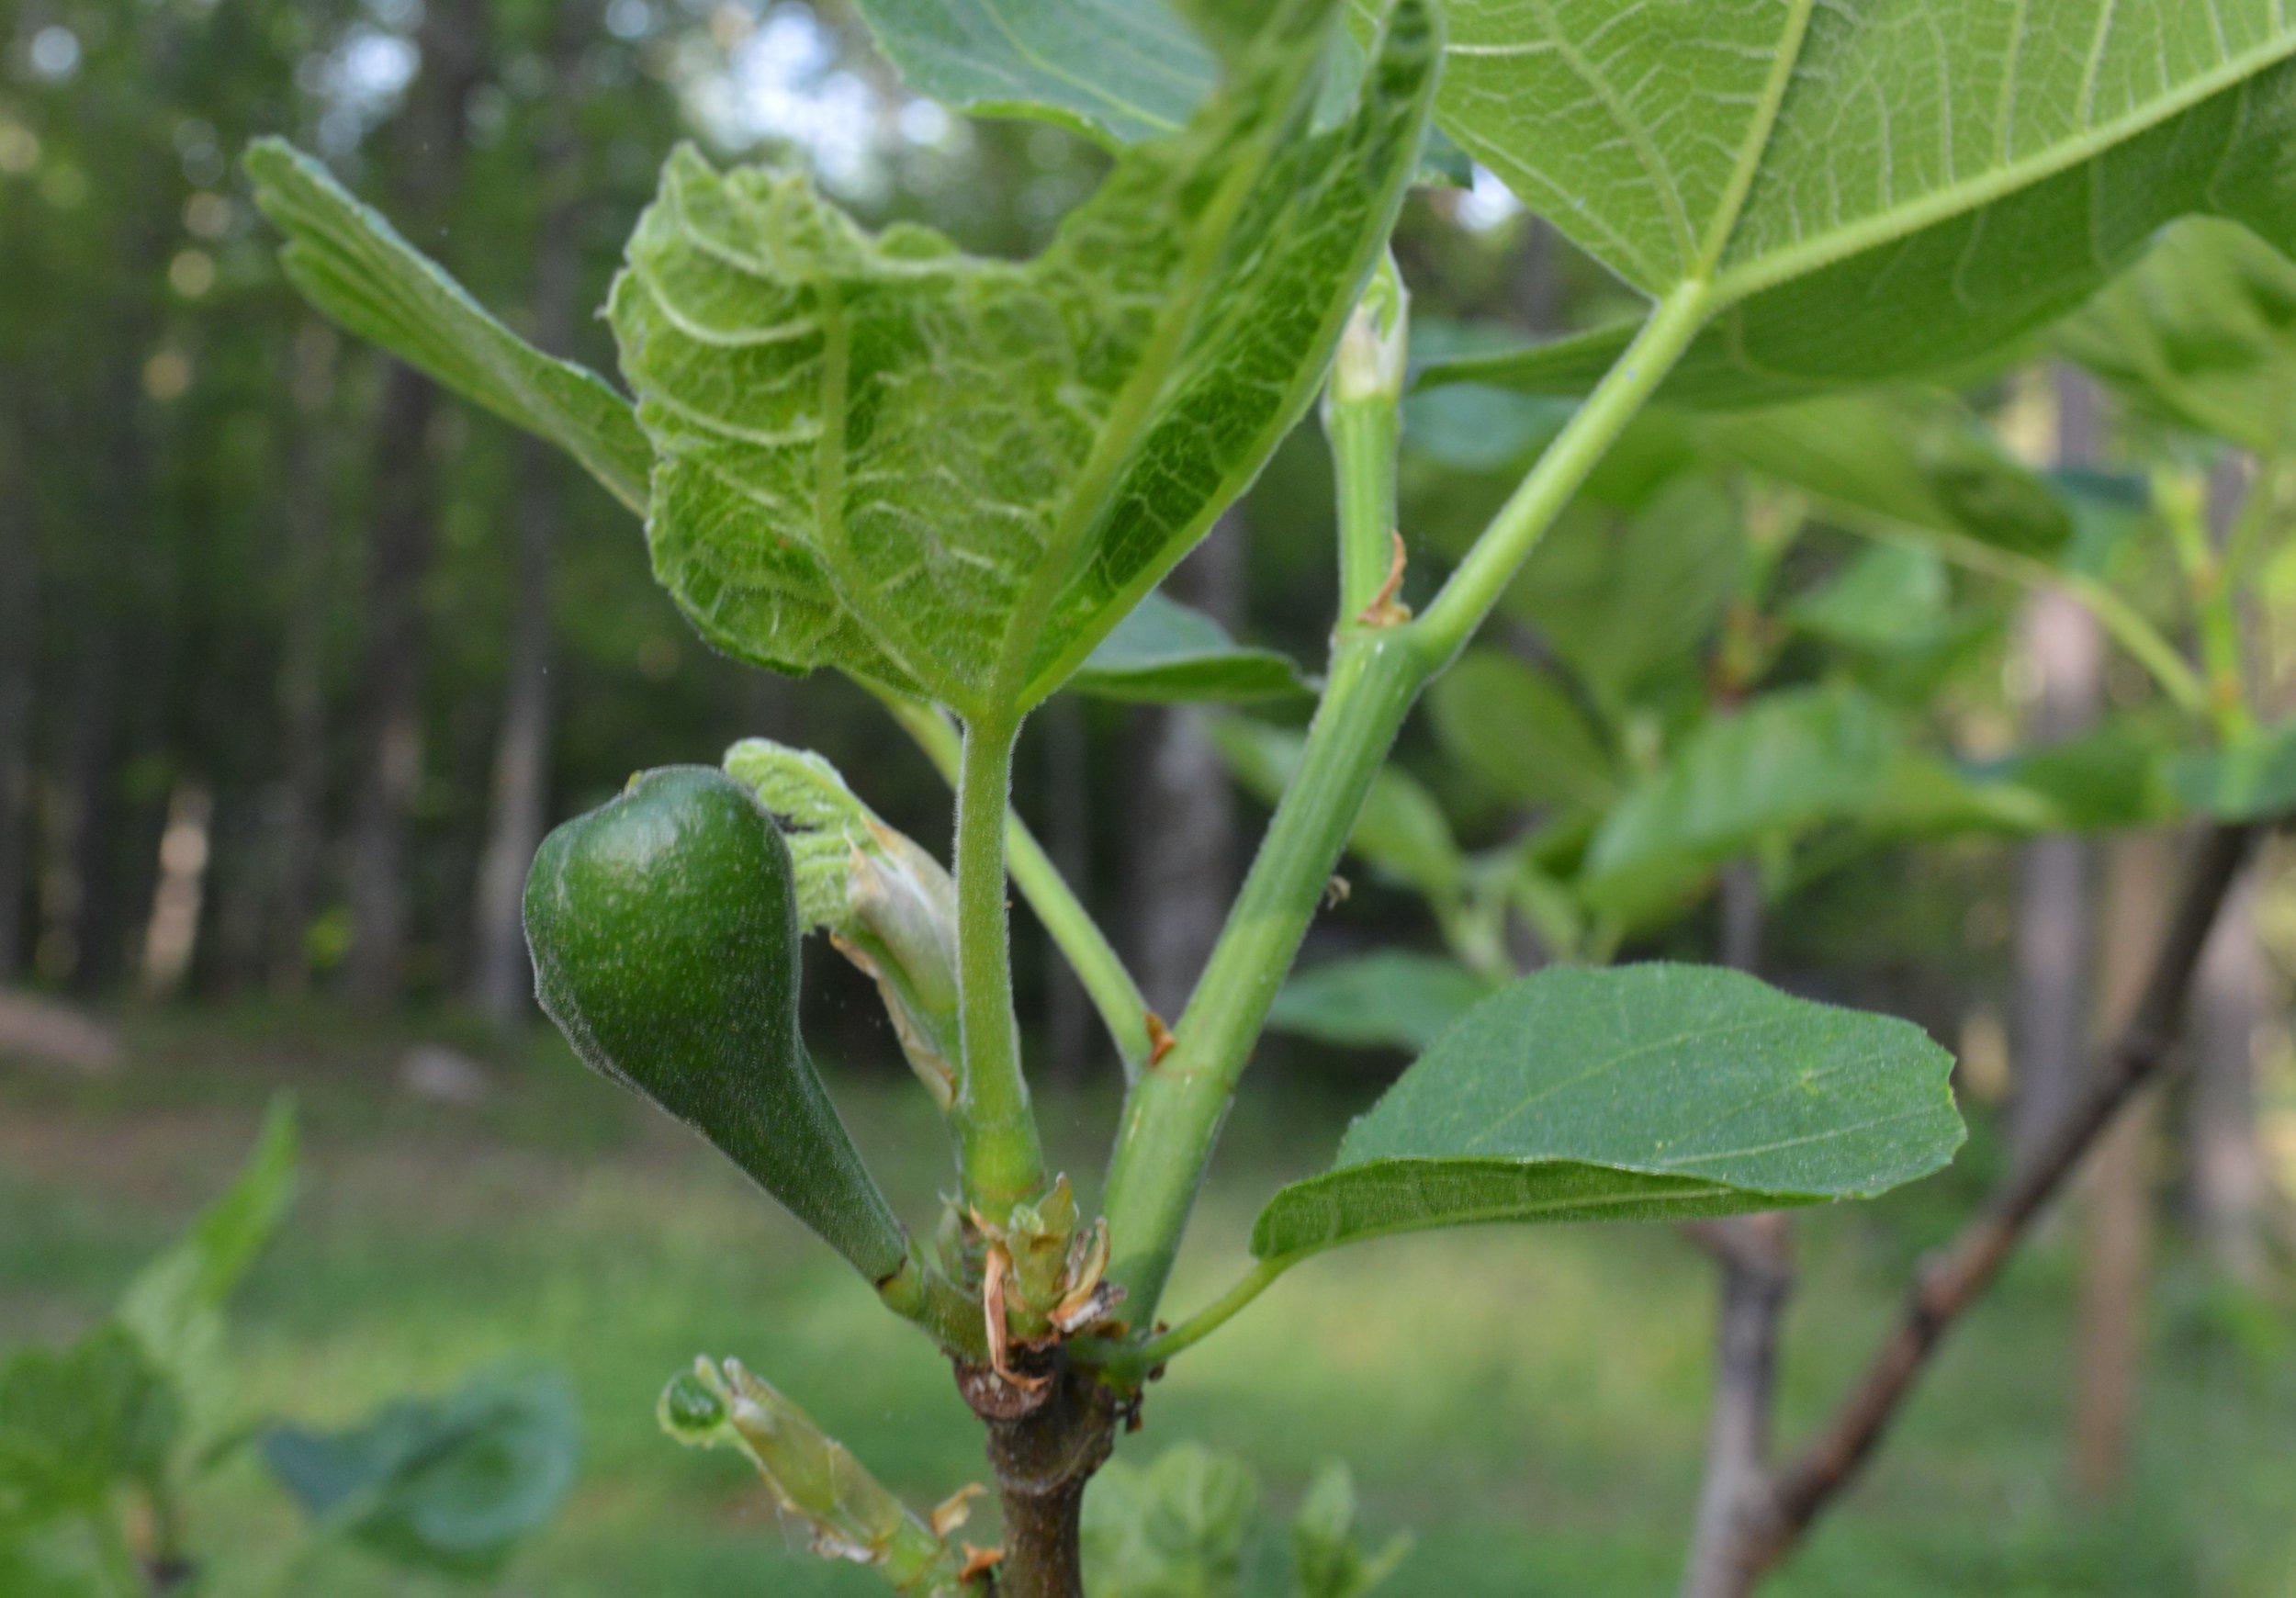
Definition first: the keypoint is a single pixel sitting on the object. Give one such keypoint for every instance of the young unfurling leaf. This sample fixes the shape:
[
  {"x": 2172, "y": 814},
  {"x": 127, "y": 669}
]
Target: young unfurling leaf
[
  {"x": 953, "y": 477},
  {"x": 886, "y": 904}
]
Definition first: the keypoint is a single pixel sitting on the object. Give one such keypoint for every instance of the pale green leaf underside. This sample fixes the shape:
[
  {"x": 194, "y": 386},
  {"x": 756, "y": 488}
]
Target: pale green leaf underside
[
  {"x": 1930, "y": 180},
  {"x": 351, "y": 264},
  {"x": 953, "y": 477},
  {"x": 1116, "y": 70},
  {"x": 1165, "y": 653},
  {"x": 1638, "y": 1093}
]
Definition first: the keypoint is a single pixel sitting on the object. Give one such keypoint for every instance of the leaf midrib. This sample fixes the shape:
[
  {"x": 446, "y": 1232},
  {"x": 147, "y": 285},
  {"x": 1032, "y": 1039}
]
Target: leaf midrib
[
  {"x": 1126, "y": 420},
  {"x": 1316, "y": 1186},
  {"x": 1939, "y": 206}
]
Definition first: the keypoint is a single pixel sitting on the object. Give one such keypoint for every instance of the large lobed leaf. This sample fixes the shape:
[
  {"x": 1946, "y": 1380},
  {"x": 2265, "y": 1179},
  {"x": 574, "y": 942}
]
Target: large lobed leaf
[
  {"x": 1638, "y": 1093},
  {"x": 952, "y": 476},
  {"x": 1871, "y": 187},
  {"x": 352, "y": 264}
]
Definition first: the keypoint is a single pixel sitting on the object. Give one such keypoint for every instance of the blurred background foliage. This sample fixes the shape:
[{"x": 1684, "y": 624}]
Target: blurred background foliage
[{"x": 298, "y": 660}]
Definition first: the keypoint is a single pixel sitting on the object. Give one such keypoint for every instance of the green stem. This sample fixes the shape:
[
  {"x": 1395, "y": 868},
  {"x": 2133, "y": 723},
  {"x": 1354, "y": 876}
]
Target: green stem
[
  {"x": 917, "y": 1293},
  {"x": 1174, "y": 1111},
  {"x": 2181, "y": 500},
  {"x": 1365, "y": 435},
  {"x": 1070, "y": 926},
  {"x": 997, "y": 1133},
  {"x": 1173, "y": 1114},
  {"x": 1217, "y": 1313},
  {"x": 1499, "y": 553},
  {"x": 1363, "y": 416}
]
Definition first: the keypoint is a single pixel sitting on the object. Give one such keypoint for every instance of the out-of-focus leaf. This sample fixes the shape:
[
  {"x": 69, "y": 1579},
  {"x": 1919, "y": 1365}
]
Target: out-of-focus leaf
[
  {"x": 1642, "y": 1092},
  {"x": 1891, "y": 596},
  {"x": 446, "y": 1484},
  {"x": 1402, "y": 829},
  {"x": 1165, "y": 653},
  {"x": 2203, "y": 331},
  {"x": 817, "y": 501},
  {"x": 1787, "y": 762},
  {"x": 67, "y": 1558},
  {"x": 1920, "y": 459},
  {"x": 351, "y": 264},
  {"x": 1520, "y": 731},
  {"x": 2250, "y": 782},
  {"x": 1177, "y": 1528},
  {"x": 77, "y": 1424},
  {"x": 2114, "y": 778},
  {"x": 1326, "y": 1559},
  {"x": 1865, "y": 197},
  {"x": 1618, "y": 598},
  {"x": 1392, "y": 998},
  {"x": 174, "y": 1306}
]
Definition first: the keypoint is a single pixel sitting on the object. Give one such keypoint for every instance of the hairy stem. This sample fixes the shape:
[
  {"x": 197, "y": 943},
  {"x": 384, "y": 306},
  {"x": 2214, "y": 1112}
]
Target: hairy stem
[
  {"x": 1070, "y": 926},
  {"x": 1173, "y": 1114},
  {"x": 1174, "y": 1111},
  {"x": 997, "y": 1131},
  {"x": 1953, "y": 1280}
]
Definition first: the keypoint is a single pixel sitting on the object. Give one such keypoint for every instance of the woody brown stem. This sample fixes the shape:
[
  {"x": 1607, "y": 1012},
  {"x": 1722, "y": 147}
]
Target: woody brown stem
[{"x": 1045, "y": 1447}]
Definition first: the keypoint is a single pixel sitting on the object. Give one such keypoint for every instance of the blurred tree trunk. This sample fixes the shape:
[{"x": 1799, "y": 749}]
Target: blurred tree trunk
[
  {"x": 2065, "y": 648},
  {"x": 1754, "y": 1255},
  {"x": 2231, "y": 1186},
  {"x": 1183, "y": 820},
  {"x": 310, "y": 556},
  {"x": 432, "y": 145},
  {"x": 19, "y": 664},
  {"x": 2116, "y": 1247},
  {"x": 503, "y": 983}
]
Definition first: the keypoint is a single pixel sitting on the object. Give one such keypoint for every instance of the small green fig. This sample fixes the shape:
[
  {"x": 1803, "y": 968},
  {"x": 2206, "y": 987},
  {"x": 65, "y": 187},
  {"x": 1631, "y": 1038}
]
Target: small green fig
[{"x": 665, "y": 939}]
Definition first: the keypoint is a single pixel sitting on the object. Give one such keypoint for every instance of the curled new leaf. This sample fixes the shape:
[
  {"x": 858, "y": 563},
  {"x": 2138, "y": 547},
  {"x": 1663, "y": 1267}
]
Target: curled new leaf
[
  {"x": 817, "y": 501},
  {"x": 664, "y": 931},
  {"x": 889, "y": 907}
]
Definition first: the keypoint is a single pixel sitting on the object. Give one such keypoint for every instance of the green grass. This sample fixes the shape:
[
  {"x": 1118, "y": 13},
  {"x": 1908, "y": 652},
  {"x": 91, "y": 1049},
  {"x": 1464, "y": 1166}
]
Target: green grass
[{"x": 1529, "y": 1403}]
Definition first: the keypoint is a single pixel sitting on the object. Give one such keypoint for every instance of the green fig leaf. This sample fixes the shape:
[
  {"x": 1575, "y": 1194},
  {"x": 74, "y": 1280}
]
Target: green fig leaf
[
  {"x": 1639, "y": 1092},
  {"x": 816, "y": 500}
]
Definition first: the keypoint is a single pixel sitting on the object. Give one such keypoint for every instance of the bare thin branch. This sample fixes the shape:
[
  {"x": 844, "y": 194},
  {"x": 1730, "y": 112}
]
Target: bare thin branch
[{"x": 1950, "y": 1281}]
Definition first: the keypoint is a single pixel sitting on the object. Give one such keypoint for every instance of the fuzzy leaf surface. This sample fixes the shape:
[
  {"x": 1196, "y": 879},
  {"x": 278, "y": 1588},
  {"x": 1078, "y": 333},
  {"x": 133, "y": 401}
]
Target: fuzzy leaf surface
[
  {"x": 1871, "y": 187},
  {"x": 1638, "y": 1093},
  {"x": 953, "y": 477}
]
